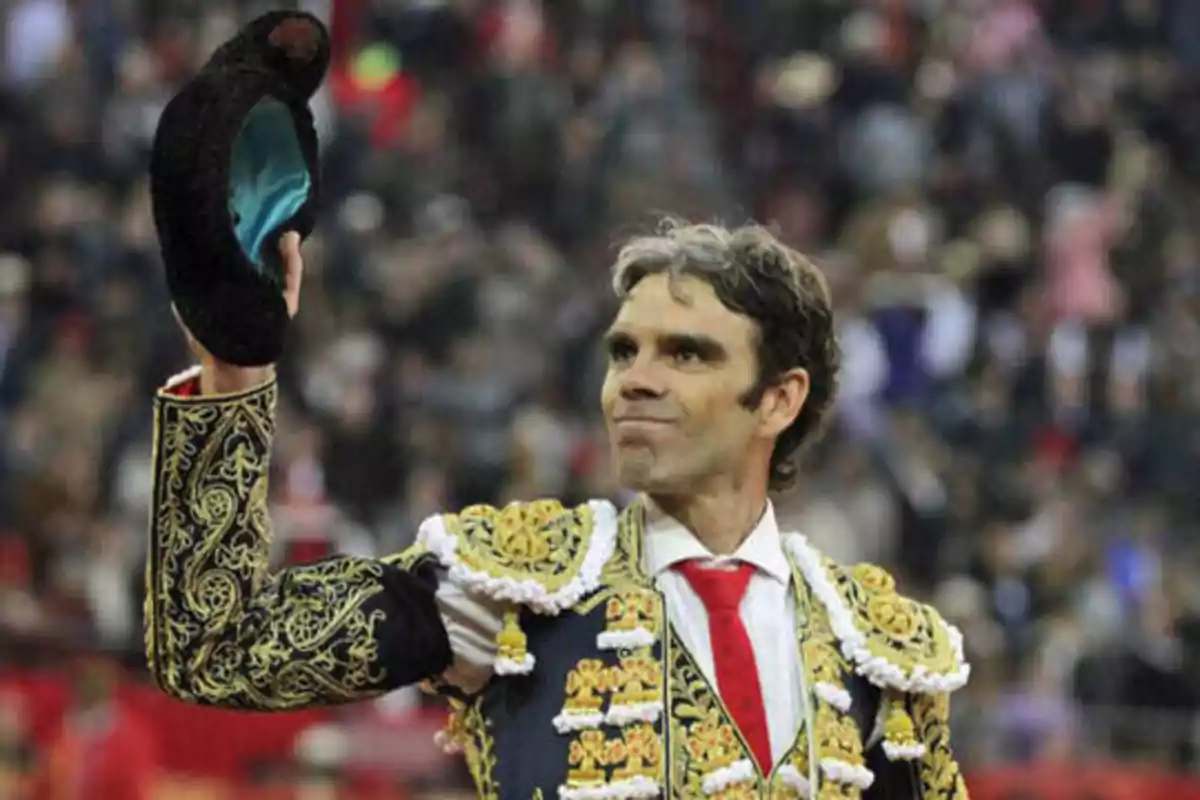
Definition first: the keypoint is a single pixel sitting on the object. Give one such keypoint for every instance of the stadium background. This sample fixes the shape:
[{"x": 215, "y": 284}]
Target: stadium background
[{"x": 1004, "y": 194}]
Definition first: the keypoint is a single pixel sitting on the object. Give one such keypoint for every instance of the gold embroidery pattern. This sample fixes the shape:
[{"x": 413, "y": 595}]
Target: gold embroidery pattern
[
  {"x": 632, "y": 612},
  {"x": 637, "y": 681},
  {"x": 407, "y": 559},
  {"x": 637, "y": 754},
  {"x": 903, "y": 632},
  {"x": 818, "y": 665},
  {"x": 587, "y": 757},
  {"x": 586, "y": 685},
  {"x": 539, "y": 541},
  {"x": 219, "y": 628},
  {"x": 941, "y": 778},
  {"x": 703, "y": 737},
  {"x": 632, "y": 762},
  {"x": 836, "y": 733},
  {"x": 623, "y": 571},
  {"x": 472, "y": 732}
]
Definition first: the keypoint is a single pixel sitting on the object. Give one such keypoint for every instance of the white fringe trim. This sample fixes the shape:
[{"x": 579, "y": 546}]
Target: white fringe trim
[
  {"x": 434, "y": 536},
  {"x": 508, "y": 666},
  {"x": 792, "y": 778},
  {"x": 843, "y": 772},
  {"x": 876, "y": 669},
  {"x": 629, "y": 713},
  {"x": 835, "y": 696},
  {"x": 569, "y": 721},
  {"x": 903, "y": 752},
  {"x": 721, "y": 779},
  {"x": 626, "y": 640},
  {"x": 636, "y": 787}
]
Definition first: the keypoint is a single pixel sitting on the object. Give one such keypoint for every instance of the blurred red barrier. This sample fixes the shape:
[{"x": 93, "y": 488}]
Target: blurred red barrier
[
  {"x": 1081, "y": 782},
  {"x": 190, "y": 740}
]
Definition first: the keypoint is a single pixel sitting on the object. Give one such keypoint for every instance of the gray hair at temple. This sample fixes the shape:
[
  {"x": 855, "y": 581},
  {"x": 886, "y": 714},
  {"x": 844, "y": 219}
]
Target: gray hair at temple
[{"x": 754, "y": 274}]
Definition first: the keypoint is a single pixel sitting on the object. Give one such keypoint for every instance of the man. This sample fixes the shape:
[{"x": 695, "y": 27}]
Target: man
[{"x": 683, "y": 647}]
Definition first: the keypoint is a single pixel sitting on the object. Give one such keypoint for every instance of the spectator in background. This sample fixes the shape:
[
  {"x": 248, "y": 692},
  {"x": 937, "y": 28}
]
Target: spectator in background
[{"x": 102, "y": 748}]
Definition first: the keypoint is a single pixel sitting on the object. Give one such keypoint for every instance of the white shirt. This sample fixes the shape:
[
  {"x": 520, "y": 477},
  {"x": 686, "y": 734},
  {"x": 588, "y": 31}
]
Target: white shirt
[{"x": 768, "y": 611}]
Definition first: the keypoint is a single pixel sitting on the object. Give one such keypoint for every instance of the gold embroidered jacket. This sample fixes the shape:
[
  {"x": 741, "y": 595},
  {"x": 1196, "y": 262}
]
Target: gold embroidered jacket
[
  {"x": 219, "y": 629},
  {"x": 594, "y": 695}
]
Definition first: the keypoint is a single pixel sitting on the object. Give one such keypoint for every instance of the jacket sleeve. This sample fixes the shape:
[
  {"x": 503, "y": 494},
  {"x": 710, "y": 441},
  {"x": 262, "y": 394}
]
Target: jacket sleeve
[{"x": 220, "y": 628}]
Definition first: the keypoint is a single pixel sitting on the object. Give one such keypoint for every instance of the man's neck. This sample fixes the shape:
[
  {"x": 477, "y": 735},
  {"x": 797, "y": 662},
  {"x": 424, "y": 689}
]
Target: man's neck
[{"x": 720, "y": 520}]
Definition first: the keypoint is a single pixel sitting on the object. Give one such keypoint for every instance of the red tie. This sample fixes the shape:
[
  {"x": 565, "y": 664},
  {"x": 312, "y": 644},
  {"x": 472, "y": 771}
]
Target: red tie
[{"x": 721, "y": 591}]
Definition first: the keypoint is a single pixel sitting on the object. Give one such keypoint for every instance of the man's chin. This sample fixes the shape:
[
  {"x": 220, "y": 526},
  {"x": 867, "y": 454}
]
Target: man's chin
[
  {"x": 643, "y": 475},
  {"x": 636, "y": 471}
]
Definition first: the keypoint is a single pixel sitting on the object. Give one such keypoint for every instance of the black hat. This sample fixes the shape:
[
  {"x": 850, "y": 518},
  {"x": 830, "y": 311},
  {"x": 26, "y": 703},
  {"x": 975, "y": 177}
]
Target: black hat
[{"x": 234, "y": 167}]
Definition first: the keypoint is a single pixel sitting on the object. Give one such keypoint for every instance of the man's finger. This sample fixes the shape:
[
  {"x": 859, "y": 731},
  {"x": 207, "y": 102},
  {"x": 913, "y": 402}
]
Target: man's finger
[{"x": 293, "y": 270}]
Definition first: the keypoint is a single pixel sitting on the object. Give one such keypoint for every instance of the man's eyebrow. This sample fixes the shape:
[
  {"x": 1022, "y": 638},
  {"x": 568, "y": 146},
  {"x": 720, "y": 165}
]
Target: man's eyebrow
[
  {"x": 707, "y": 346},
  {"x": 616, "y": 336}
]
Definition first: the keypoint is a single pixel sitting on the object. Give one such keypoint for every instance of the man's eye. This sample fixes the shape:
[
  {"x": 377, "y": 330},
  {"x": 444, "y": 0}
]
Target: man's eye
[
  {"x": 687, "y": 355},
  {"x": 621, "y": 351}
]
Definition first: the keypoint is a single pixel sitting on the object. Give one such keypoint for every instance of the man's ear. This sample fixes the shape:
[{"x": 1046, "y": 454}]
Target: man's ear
[{"x": 783, "y": 401}]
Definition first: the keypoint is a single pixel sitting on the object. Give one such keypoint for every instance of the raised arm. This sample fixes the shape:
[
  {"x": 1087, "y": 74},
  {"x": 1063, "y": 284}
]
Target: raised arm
[{"x": 220, "y": 628}]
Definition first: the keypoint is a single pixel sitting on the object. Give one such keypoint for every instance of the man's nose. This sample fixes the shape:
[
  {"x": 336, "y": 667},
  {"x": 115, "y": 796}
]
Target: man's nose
[{"x": 642, "y": 381}]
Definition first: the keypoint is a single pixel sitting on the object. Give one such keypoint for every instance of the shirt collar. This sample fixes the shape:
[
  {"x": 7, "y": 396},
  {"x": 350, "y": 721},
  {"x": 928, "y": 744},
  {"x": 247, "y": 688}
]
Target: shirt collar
[{"x": 668, "y": 543}]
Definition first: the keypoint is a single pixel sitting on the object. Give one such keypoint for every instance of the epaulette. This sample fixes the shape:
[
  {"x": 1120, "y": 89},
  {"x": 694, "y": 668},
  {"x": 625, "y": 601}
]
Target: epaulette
[
  {"x": 894, "y": 642},
  {"x": 539, "y": 555}
]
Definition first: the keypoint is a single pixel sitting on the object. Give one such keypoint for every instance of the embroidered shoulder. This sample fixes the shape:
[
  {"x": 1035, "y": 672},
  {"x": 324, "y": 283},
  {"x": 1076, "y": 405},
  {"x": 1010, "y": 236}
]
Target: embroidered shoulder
[
  {"x": 894, "y": 642},
  {"x": 540, "y": 554}
]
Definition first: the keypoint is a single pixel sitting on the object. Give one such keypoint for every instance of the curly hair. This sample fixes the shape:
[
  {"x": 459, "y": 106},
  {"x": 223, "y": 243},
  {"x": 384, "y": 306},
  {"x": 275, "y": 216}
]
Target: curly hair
[{"x": 754, "y": 274}]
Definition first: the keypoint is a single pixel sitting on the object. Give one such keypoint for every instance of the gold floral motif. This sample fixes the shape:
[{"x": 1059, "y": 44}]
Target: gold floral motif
[
  {"x": 638, "y": 753},
  {"x": 895, "y": 615},
  {"x": 587, "y": 757},
  {"x": 220, "y": 629},
  {"x": 540, "y": 541},
  {"x": 873, "y": 579},
  {"x": 630, "y": 611},
  {"x": 638, "y": 679},
  {"x": 712, "y": 742},
  {"x": 838, "y": 736},
  {"x": 941, "y": 778},
  {"x": 586, "y": 684},
  {"x": 903, "y": 632}
]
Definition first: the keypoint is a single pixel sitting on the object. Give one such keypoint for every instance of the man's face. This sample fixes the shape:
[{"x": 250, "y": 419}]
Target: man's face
[{"x": 676, "y": 372}]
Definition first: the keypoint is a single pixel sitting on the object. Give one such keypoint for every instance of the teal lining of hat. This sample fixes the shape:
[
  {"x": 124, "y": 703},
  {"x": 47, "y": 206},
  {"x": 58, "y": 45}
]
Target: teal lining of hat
[{"x": 268, "y": 179}]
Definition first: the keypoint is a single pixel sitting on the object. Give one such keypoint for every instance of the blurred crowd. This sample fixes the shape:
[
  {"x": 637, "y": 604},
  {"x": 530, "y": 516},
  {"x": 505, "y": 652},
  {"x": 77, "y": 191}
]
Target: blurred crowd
[{"x": 1003, "y": 194}]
